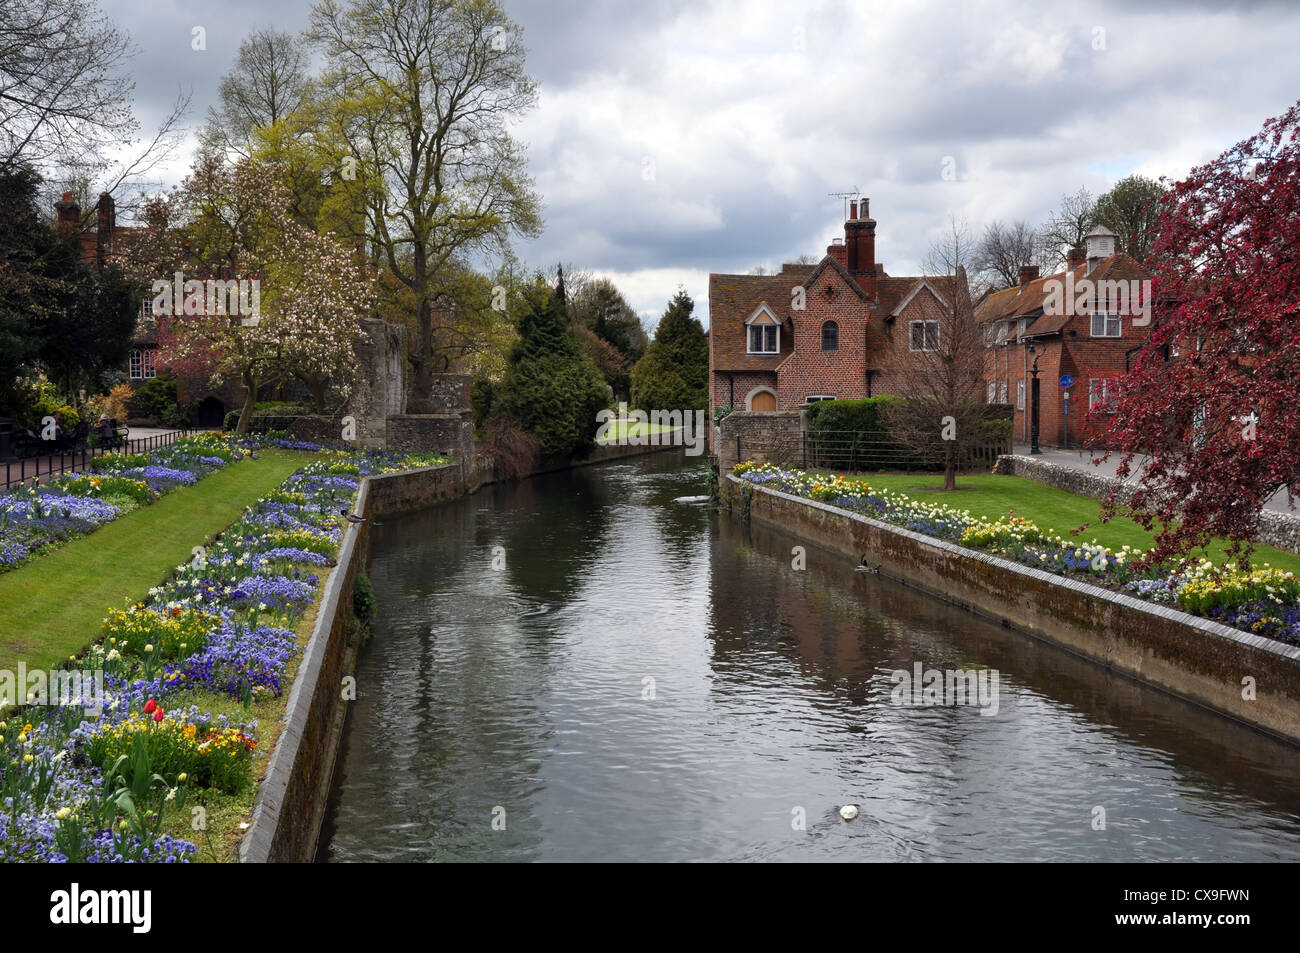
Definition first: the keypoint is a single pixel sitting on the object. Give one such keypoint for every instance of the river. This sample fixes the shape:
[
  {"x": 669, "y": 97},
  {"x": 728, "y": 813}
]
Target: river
[{"x": 592, "y": 665}]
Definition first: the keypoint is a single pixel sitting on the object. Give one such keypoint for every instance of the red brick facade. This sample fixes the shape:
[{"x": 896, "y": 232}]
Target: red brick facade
[
  {"x": 872, "y": 312},
  {"x": 1020, "y": 329}
]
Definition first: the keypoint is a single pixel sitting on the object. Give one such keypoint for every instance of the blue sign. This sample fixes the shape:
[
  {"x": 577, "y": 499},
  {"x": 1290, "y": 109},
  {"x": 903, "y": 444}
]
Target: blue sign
[{"x": 1067, "y": 381}]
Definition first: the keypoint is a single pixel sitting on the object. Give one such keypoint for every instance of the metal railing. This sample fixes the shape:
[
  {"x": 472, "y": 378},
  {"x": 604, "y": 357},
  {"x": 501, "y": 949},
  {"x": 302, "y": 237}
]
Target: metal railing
[
  {"x": 865, "y": 450},
  {"x": 44, "y": 466}
]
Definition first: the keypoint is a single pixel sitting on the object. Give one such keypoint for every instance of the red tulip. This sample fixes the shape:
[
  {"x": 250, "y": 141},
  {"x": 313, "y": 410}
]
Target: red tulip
[
  {"x": 149, "y": 706},
  {"x": 158, "y": 715}
]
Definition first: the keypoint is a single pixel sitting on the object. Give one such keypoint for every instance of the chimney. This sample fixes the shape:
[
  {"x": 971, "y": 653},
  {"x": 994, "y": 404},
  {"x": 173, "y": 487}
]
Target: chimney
[
  {"x": 104, "y": 232},
  {"x": 69, "y": 213},
  {"x": 1073, "y": 258},
  {"x": 1028, "y": 273},
  {"x": 853, "y": 208},
  {"x": 837, "y": 251},
  {"x": 860, "y": 240},
  {"x": 1101, "y": 245}
]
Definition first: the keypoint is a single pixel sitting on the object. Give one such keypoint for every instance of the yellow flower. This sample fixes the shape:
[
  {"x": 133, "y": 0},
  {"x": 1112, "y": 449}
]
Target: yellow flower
[
  {"x": 63, "y": 813},
  {"x": 28, "y": 759}
]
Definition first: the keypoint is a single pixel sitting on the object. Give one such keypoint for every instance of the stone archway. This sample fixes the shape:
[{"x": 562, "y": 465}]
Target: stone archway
[{"x": 210, "y": 412}]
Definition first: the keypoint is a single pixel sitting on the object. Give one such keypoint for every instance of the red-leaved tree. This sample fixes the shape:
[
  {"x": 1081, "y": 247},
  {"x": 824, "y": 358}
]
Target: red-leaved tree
[{"x": 1210, "y": 402}]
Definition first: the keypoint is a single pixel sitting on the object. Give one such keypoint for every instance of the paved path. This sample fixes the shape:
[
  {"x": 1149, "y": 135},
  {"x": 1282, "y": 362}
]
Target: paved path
[
  {"x": 1082, "y": 460},
  {"x": 14, "y": 472}
]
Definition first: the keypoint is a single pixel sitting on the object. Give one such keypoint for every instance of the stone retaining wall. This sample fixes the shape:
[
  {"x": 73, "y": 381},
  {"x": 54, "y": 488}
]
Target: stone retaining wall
[
  {"x": 1185, "y": 655},
  {"x": 1275, "y": 529}
]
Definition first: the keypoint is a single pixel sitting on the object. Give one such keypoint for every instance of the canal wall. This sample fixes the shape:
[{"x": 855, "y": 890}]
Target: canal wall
[
  {"x": 292, "y": 798},
  {"x": 1188, "y": 656}
]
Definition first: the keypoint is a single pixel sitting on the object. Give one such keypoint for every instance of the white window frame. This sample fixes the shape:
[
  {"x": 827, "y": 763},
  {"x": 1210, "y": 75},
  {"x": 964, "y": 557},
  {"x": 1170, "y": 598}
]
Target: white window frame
[
  {"x": 817, "y": 398},
  {"x": 148, "y": 363},
  {"x": 135, "y": 365},
  {"x": 925, "y": 335},
  {"x": 1109, "y": 320},
  {"x": 1002, "y": 392},
  {"x": 1020, "y": 394},
  {"x": 1103, "y": 394},
  {"x": 993, "y": 392},
  {"x": 749, "y": 338}
]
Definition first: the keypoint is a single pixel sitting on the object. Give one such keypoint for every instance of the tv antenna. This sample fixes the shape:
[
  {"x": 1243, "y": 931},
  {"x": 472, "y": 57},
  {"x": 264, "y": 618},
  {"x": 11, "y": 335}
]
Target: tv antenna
[{"x": 844, "y": 197}]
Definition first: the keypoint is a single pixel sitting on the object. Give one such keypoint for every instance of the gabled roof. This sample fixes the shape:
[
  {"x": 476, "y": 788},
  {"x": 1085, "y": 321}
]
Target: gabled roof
[
  {"x": 830, "y": 262},
  {"x": 1028, "y": 301}
]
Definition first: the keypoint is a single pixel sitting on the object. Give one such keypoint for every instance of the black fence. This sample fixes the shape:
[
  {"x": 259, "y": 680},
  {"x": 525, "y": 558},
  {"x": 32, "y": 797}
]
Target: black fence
[
  {"x": 867, "y": 450},
  {"x": 42, "y": 466}
]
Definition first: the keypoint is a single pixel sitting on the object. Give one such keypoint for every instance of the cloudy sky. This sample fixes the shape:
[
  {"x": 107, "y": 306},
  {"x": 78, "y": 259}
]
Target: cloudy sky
[{"x": 674, "y": 139}]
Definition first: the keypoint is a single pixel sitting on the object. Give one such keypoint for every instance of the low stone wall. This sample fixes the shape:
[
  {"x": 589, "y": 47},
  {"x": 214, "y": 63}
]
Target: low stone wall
[
  {"x": 1275, "y": 529},
  {"x": 762, "y": 437},
  {"x": 1188, "y": 656},
  {"x": 292, "y": 797}
]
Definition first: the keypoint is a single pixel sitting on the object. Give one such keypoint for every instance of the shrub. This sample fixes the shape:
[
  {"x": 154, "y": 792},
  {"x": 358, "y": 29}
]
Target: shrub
[
  {"x": 363, "y": 599},
  {"x": 232, "y": 419},
  {"x": 514, "y": 451},
  {"x": 867, "y": 414},
  {"x": 153, "y": 398}
]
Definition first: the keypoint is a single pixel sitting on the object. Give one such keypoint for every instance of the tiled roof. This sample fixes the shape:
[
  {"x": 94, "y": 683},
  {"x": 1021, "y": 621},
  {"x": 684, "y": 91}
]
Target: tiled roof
[
  {"x": 733, "y": 298},
  {"x": 1018, "y": 302}
]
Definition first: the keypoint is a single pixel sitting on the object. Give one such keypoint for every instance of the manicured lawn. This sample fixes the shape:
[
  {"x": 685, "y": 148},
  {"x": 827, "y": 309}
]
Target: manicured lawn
[
  {"x": 632, "y": 428},
  {"x": 990, "y": 496},
  {"x": 52, "y": 607}
]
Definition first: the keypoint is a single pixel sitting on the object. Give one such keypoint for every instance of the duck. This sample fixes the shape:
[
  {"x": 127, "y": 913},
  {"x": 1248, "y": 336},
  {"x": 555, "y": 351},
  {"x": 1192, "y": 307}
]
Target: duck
[
  {"x": 866, "y": 566},
  {"x": 352, "y": 517}
]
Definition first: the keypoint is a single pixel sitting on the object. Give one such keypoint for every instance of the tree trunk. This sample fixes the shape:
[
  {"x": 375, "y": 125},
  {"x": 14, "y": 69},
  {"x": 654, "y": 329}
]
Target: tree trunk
[
  {"x": 949, "y": 466},
  {"x": 250, "y": 398}
]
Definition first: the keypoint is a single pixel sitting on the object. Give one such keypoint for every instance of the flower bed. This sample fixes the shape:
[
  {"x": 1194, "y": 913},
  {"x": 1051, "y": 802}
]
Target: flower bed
[
  {"x": 1263, "y": 600},
  {"x": 112, "y": 785}
]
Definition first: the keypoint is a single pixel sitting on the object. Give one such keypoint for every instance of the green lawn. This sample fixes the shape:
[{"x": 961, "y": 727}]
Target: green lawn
[
  {"x": 51, "y": 607},
  {"x": 631, "y": 428},
  {"x": 990, "y": 496}
]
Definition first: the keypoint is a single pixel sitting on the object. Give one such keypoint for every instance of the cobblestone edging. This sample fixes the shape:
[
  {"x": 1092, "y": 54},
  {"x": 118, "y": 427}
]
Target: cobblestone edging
[
  {"x": 1193, "y": 658},
  {"x": 1275, "y": 529}
]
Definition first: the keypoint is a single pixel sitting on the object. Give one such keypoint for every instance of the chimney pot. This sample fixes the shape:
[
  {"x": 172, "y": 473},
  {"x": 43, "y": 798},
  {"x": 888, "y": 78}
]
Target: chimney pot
[{"x": 853, "y": 209}]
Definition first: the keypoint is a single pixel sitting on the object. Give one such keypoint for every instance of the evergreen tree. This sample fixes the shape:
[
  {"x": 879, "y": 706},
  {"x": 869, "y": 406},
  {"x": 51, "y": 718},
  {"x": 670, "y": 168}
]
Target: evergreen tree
[
  {"x": 552, "y": 389},
  {"x": 674, "y": 372}
]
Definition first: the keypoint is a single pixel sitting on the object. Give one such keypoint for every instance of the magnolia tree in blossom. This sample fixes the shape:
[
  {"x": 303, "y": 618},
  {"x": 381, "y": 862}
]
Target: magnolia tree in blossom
[
  {"x": 1210, "y": 401},
  {"x": 312, "y": 291}
]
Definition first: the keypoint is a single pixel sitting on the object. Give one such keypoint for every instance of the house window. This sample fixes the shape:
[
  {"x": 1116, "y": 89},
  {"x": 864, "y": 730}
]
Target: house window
[
  {"x": 924, "y": 336},
  {"x": 1101, "y": 392},
  {"x": 993, "y": 392},
  {"x": 814, "y": 398},
  {"x": 136, "y": 366},
  {"x": 1024, "y": 326},
  {"x": 1020, "y": 395},
  {"x": 1002, "y": 392},
  {"x": 148, "y": 358},
  {"x": 764, "y": 339},
  {"x": 1105, "y": 325},
  {"x": 830, "y": 336}
]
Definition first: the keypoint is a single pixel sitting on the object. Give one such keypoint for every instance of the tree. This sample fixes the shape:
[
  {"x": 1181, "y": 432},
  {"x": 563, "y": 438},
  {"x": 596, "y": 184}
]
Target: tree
[
  {"x": 943, "y": 379},
  {"x": 60, "y": 95},
  {"x": 26, "y": 242},
  {"x": 422, "y": 93},
  {"x": 1211, "y": 397},
  {"x": 1002, "y": 251},
  {"x": 1067, "y": 227},
  {"x": 552, "y": 389},
  {"x": 313, "y": 290},
  {"x": 1130, "y": 210},
  {"x": 608, "y": 330},
  {"x": 674, "y": 373},
  {"x": 268, "y": 84}
]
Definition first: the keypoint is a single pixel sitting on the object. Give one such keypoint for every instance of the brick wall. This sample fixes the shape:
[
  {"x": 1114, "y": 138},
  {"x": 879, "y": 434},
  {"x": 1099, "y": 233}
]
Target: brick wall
[
  {"x": 840, "y": 373},
  {"x": 767, "y": 438}
]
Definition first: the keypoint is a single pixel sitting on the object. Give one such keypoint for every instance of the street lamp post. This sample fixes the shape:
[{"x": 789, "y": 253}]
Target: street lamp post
[{"x": 1033, "y": 406}]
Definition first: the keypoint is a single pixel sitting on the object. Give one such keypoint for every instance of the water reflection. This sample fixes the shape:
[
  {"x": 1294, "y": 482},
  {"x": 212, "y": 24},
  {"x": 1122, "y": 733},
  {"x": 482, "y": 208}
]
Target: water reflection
[{"x": 524, "y": 696}]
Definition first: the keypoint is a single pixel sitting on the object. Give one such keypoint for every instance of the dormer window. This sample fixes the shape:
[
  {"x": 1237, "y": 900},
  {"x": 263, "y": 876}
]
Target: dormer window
[{"x": 764, "y": 332}]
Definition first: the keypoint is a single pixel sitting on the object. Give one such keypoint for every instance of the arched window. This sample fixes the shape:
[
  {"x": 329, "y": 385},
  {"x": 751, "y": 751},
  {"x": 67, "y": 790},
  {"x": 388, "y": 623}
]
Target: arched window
[{"x": 830, "y": 336}]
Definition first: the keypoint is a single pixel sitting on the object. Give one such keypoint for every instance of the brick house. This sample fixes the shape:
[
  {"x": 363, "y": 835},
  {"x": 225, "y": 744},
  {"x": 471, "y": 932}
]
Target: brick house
[
  {"x": 839, "y": 329},
  {"x": 102, "y": 245},
  {"x": 1093, "y": 345}
]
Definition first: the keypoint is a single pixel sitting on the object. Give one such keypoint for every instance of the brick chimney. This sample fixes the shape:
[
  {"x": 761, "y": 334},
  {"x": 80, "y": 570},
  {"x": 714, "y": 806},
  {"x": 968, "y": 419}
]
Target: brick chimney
[
  {"x": 838, "y": 251},
  {"x": 104, "y": 233},
  {"x": 1028, "y": 273},
  {"x": 69, "y": 213},
  {"x": 1074, "y": 258},
  {"x": 860, "y": 241}
]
